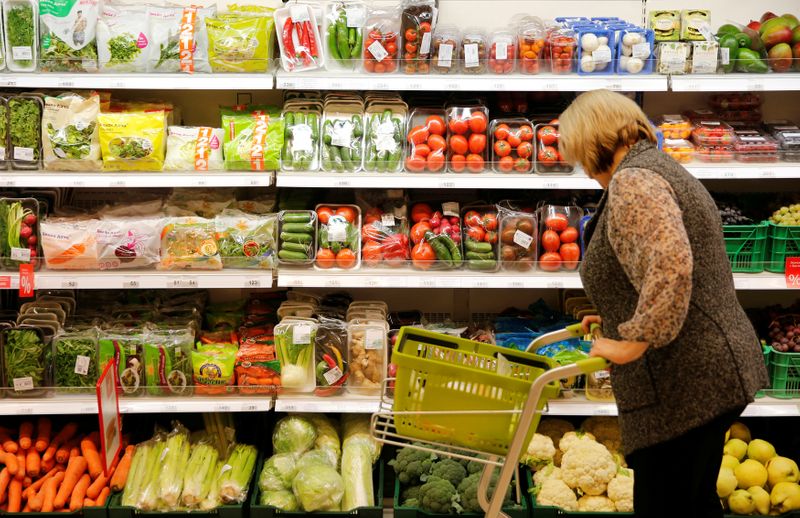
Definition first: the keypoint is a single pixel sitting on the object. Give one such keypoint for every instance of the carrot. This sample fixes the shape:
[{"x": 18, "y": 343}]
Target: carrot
[
  {"x": 43, "y": 430},
  {"x": 101, "y": 500},
  {"x": 75, "y": 469},
  {"x": 66, "y": 433},
  {"x": 33, "y": 464},
  {"x": 48, "y": 464},
  {"x": 26, "y": 482},
  {"x": 5, "y": 478},
  {"x": 10, "y": 461},
  {"x": 74, "y": 452},
  {"x": 121, "y": 474},
  {"x": 89, "y": 451},
  {"x": 79, "y": 492},
  {"x": 31, "y": 491},
  {"x": 8, "y": 445},
  {"x": 99, "y": 483},
  {"x": 15, "y": 496},
  {"x": 20, "y": 474},
  {"x": 62, "y": 454},
  {"x": 27, "y": 508},
  {"x": 49, "y": 492},
  {"x": 95, "y": 438},
  {"x": 88, "y": 502},
  {"x": 25, "y": 433}
]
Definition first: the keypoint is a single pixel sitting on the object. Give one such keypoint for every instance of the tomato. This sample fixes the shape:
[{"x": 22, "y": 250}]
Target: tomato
[
  {"x": 380, "y": 68},
  {"x": 507, "y": 236},
  {"x": 325, "y": 258},
  {"x": 415, "y": 164},
  {"x": 436, "y": 142},
  {"x": 391, "y": 48},
  {"x": 411, "y": 47},
  {"x": 345, "y": 258},
  {"x": 489, "y": 221},
  {"x": 474, "y": 163},
  {"x": 422, "y": 255},
  {"x": 526, "y": 133},
  {"x": 476, "y": 234},
  {"x": 477, "y": 122},
  {"x": 525, "y": 150},
  {"x": 348, "y": 213},
  {"x": 557, "y": 222},
  {"x": 372, "y": 253},
  {"x": 514, "y": 140},
  {"x": 459, "y": 145},
  {"x": 435, "y": 125},
  {"x": 554, "y": 122},
  {"x": 550, "y": 241},
  {"x": 323, "y": 214},
  {"x": 522, "y": 165},
  {"x": 372, "y": 215},
  {"x": 547, "y": 135},
  {"x": 547, "y": 154},
  {"x": 506, "y": 164},
  {"x": 571, "y": 254},
  {"x": 458, "y": 126},
  {"x": 477, "y": 143},
  {"x": 472, "y": 219},
  {"x": 411, "y": 35},
  {"x": 369, "y": 66},
  {"x": 550, "y": 262},
  {"x": 569, "y": 235},
  {"x": 421, "y": 150},
  {"x": 491, "y": 237},
  {"x": 458, "y": 163},
  {"x": 526, "y": 226},
  {"x": 421, "y": 212},
  {"x": 418, "y": 231},
  {"x": 502, "y": 148},
  {"x": 418, "y": 135},
  {"x": 435, "y": 161},
  {"x": 501, "y": 131},
  {"x": 370, "y": 232}
]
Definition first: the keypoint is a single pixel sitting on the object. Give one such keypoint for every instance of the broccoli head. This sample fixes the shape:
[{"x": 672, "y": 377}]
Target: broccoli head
[
  {"x": 411, "y": 502},
  {"x": 438, "y": 496},
  {"x": 411, "y": 493},
  {"x": 468, "y": 489},
  {"x": 411, "y": 464},
  {"x": 450, "y": 470},
  {"x": 474, "y": 467}
]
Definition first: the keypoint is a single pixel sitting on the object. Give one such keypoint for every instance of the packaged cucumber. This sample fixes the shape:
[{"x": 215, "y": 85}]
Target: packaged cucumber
[
  {"x": 480, "y": 237},
  {"x": 301, "y": 122},
  {"x": 385, "y": 128},
  {"x": 342, "y": 136},
  {"x": 436, "y": 236},
  {"x": 296, "y": 233}
]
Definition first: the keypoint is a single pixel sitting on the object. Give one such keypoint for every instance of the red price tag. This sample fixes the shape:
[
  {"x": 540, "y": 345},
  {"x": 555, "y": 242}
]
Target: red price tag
[
  {"x": 108, "y": 415},
  {"x": 5, "y": 282},
  {"x": 26, "y": 285},
  {"x": 793, "y": 272}
]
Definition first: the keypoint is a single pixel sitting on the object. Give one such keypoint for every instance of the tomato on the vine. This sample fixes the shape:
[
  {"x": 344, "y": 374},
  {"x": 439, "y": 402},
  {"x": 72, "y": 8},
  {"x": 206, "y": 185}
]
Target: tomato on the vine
[{"x": 547, "y": 135}]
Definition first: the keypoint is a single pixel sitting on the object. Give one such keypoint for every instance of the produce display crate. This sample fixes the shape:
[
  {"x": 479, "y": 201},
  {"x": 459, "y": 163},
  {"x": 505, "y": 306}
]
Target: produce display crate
[
  {"x": 117, "y": 510},
  {"x": 520, "y": 511},
  {"x": 784, "y": 242},
  {"x": 746, "y": 246},
  {"x": 785, "y": 374},
  {"x": 767, "y": 350},
  {"x": 262, "y": 511},
  {"x": 86, "y": 512},
  {"x": 546, "y": 511}
]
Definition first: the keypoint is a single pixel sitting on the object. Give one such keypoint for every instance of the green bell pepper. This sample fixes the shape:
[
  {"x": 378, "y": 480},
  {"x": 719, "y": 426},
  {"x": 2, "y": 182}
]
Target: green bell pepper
[{"x": 744, "y": 40}]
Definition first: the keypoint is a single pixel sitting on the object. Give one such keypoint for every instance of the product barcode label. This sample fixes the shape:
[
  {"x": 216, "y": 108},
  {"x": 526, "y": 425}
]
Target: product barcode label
[
  {"x": 21, "y": 254},
  {"x": 501, "y": 48},
  {"x": 471, "y": 59},
  {"x": 21, "y": 384},
  {"x": 337, "y": 232},
  {"x": 725, "y": 55},
  {"x": 522, "y": 239},
  {"x": 301, "y": 138},
  {"x": 333, "y": 375},
  {"x": 602, "y": 55},
  {"x": 641, "y": 50},
  {"x": 355, "y": 16},
  {"x": 425, "y": 46},
  {"x": 299, "y": 13},
  {"x": 377, "y": 51},
  {"x": 82, "y": 365},
  {"x": 374, "y": 339},
  {"x": 445, "y": 55},
  {"x": 23, "y": 153},
  {"x": 22, "y": 53},
  {"x": 450, "y": 208},
  {"x": 301, "y": 335},
  {"x": 387, "y": 220}
]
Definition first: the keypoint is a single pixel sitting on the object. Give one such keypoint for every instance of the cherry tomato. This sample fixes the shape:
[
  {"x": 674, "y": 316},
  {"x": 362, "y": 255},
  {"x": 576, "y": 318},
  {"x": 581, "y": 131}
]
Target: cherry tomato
[
  {"x": 477, "y": 143},
  {"x": 411, "y": 47},
  {"x": 411, "y": 35},
  {"x": 437, "y": 143},
  {"x": 459, "y": 145},
  {"x": 348, "y": 213},
  {"x": 506, "y": 164},
  {"x": 477, "y": 122},
  {"x": 502, "y": 148},
  {"x": 458, "y": 126},
  {"x": 458, "y": 163},
  {"x": 391, "y": 48},
  {"x": 557, "y": 222},
  {"x": 501, "y": 131},
  {"x": 571, "y": 254},
  {"x": 547, "y": 135},
  {"x": 435, "y": 125},
  {"x": 324, "y": 214},
  {"x": 525, "y": 150},
  {"x": 550, "y": 262},
  {"x": 418, "y": 135},
  {"x": 474, "y": 163},
  {"x": 550, "y": 241},
  {"x": 569, "y": 235}
]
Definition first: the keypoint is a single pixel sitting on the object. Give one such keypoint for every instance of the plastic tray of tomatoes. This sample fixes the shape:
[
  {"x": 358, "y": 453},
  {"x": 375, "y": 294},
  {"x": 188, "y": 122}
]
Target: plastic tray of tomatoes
[
  {"x": 512, "y": 145},
  {"x": 466, "y": 138},
  {"x": 384, "y": 237},
  {"x": 548, "y": 157},
  {"x": 381, "y": 50},
  {"x": 563, "y": 47},
  {"x": 426, "y": 137},
  {"x": 559, "y": 238},
  {"x": 518, "y": 243},
  {"x": 735, "y": 101},
  {"x": 530, "y": 48},
  {"x": 674, "y": 126},
  {"x": 712, "y": 133},
  {"x": 714, "y": 153},
  {"x": 338, "y": 237},
  {"x": 480, "y": 237},
  {"x": 436, "y": 236},
  {"x": 502, "y": 53},
  {"x": 680, "y": 149}
]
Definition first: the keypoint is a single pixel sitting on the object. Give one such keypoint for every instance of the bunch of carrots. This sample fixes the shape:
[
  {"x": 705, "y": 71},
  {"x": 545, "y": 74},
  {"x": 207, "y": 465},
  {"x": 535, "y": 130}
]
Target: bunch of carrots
[{"x": 59, "y": 473}]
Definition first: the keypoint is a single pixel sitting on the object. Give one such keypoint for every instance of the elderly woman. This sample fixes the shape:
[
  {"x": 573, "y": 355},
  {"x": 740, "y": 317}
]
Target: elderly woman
[{"x": 685, "y": 358}]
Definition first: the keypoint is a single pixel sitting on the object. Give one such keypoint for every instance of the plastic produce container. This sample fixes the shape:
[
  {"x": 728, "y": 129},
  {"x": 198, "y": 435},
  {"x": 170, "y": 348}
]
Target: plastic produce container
[
  {"x": 367, "y": 352},
  {"x": 680, "y": 149},
  {"x": 474, "y": 51},
  {"x": 548, "y": 157},
  {"x": 297, "y": 237},
  {"x": 595, "y": 51},
  {"x": 559, "y": 238},
  {"x": 384, "y": 138},
  {"x": 294, "y": 345},
  {"x": 301, "y": 139},
  {"x": 436, "y": 238},
  {"x": 75, "y": 361},
  {"x": 338, "y": 237},
  {"x": 502, "y": 53},
  {"x": 518, "y": 241},
  {"x": 27, "y": 362},
  {"x": 21, "y": 34},
  {"x": 674, "y": 126},
  {"x": 446, "y": 47},
  {"x": 301, "y": 49},
  {"x": 427, "y": 141},
  {"x": 342, "y": 138},
  {"x": 481, "y": 238},
  {"x": 756, "y": 148},
  {"x": 25, "y": 139},
  {"x": 712, "y": 133},
  {"x": 20, "y": 231},
  {"x": 789, "y": 142},
  {"x": 417, "y": 20},
  {"x": 746, "y": 246},
  {"x": 381, "y": 42},
  {"x": 735, "y": 101},
  {"x": 784, "y": 241},
  {"x": 512, "y": 145},
  {"x": 713, "y": 153},
  {"x": 563, "y": 48},
  {"x": 672, "y": 57},
  {"x": 531, "y": 48},
  {"x": 467, "y": 138},
  {"x": 635, "y": 51}
]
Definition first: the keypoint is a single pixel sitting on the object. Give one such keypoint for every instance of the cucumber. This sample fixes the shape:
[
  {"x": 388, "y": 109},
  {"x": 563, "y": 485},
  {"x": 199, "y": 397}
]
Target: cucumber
[
  {"x": 290, "y": 255},
  {"x": 299, "y": 228},
  {"x": 476, "y": 256},
  {"x": 295, "y": 247},
  {"x": 297, "y": 217},
  {"x": 297, "y": 238},
  {"x": 483, "y": 264},
  {"x": 481, "y": 248}
]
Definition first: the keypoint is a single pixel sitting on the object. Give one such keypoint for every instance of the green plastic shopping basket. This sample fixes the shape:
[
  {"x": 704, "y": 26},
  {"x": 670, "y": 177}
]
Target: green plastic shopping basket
[{"x": 464, "y": 393}]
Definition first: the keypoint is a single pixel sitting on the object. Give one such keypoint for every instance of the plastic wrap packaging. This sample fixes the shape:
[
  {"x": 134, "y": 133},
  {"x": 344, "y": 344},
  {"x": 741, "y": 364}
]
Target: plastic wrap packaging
[
  {"x": 680, "y": 149},
  {"x": 331, "y": 359},
  {"x": 385, "y": 125},
  {"x": 19, "y": 233},
  {"x": 559, "y": 238},
  {"x": 213, "y": 369},
  {"x": 384, "y": 235},
  {"x": 133, "y": 139},
  {"x": 257, "y": 366},
  {"x": 548, "y": 155},
  {"x": 27, "y": 361},
  {"x": 672, "y": 57},
  {"x": 467, "y": 138},
  {"x": 253, "y": 138},
  {"x": 299, "y": 39},
  {"x": 25, "y": 133},
  {"x": 246, "y": 241},
  {"x": 301, "y": 139},
  {"x": 512, "y": 145},
  {"x": 296, "y": 237},
  {"x": 338, "y": 237},
  {"x": 68, "y": 42},
  {"x": 342, "y": 138},
  {"x": 418, "y": 20},
  {"x": 436, "y": 236},
  {"x": 21, "y": 34},
  {"x": 502, "y": 53},
  {"x": 344, "y": 22},
  {"x": 128, "y": 242},
  {"x": 123, "y": 38},
  {"x": 178, "y": 39},
  {"x": 75, "y": 360},
  {"x": 71, "y": 141},
  {"x": 427, "y": 142},
  {"x": 480, "y": 237},
  {"x": 241, "y": 41},
  {"x": 294, "y": 342},
  {"x": 518, "y": 240},
  {"x": 70, "y": 243},
  {"x": 189, "y": 244},
  {"x": 381, "y": 41},
  {"x": 125, "y": 346},
  {"x": 168, "y": 362},
  {"x": 194, "y": 149},
  {"x": 367, "y": 352},
  {"x": 596, "y": 52},
  {"x": 4, "y": 126},
  {"x": 446, "y": 45},
  {"x": 473, "y": 51}
]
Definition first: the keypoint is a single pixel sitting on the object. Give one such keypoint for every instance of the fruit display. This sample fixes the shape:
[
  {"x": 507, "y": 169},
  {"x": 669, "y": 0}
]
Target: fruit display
[
  {"x": 548, "y": 157},
  {"x": 531, "y": 47},
  {"x": 381, "y": 42},
  {"x": 338, "y": 237},
  {"x": 445, "y": 58},
  {"x": 773, "y": 36},
  {"x": 784, "y": 334},
  {"x": 427, "y": 142},
  {"x": 559, "y": 238},
  {"x": 436, "y": 236},
  {"x": 384, "y": 138},
  {"x": 518, "y": 243},
  {"x": 474, "y": 51},
  {"x": 674, "y": 126},
  {"x": 343, "y": 135},
  {"x": 343, "y": 35},
  {"x": 502, "y": 53},
  {"x": 732, "y": 215},
  {"x": 466, "y": 138},
  {"x": 753, "y": 478},
  {"x": 19, "y": 233},
  {"x": 512, "y": 145},
  {"x": 296, "y": 237},
  {"x": 384, "y": 236},
  {"x": 712, "y": 133},
  {"x": 418, "y": 20},
  {"x": 481, "y": 237},
  {"x": 787, "y": 216}
]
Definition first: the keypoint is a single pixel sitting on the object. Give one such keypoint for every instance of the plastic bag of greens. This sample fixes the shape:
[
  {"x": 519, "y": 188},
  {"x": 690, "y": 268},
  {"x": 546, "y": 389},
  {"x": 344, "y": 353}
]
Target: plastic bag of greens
[
  {"x": 242, "y": 40},
  {"x": 123, "y": 38},
  {"x": 67, "y": 38},
  {"x": 125, "y": 346},
  {"x": 237, "y": 472},
  {"x": 71, "y": 136},
  {"x": 189, "y": 244},
  {"x": 21, "y": 36},
  {"x": 133, "y": 140},
  {"x": 26, "y": 361},
  {"x": 318, "y": 457},
  {"x": 194, "y": 149},
  {"x": 278, "y": 472},
  {"x": 253, "y": 138},
  {"x": 319, "y": 488},
  {"x": 168, "y": 363},
  {"x": 75, "y": 360},
  {"x": 282, "y": 499},
  {"x": 178, "y": 39},
  {"x": 246, "y": 241}
]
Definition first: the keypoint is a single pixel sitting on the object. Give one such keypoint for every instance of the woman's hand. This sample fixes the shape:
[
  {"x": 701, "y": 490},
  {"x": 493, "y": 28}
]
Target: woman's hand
[
  {"x": 587, "y": 322},
  {"x": 617, "y": 351}
]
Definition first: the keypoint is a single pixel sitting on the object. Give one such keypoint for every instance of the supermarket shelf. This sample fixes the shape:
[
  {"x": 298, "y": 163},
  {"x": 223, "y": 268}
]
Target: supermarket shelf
[
  {"x": 735, "y": 83},
  {"x": 745, "y": 171},
  {"x": 87, "y": 404},
  {"x": 140, "y": 81},
  {"x": 179, "y": 179},
  {"x": 580, "y": 406},
  {"x": 345, "y": 404},
  {"x": 143, "y": 279},
  {"x": 325, "y": 80},
  {"x": 434, "y": 181}
]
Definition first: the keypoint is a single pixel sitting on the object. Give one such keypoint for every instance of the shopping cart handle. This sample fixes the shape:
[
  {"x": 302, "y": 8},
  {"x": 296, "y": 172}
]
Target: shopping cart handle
[
  {"x": 591, "y": 365},
  {"x": 576, "y": 330}
]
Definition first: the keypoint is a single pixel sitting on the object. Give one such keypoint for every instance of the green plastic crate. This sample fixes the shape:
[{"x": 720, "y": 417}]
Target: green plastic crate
[
  {"x": 767, "y": 350},
  {"x": 746, "y": 246},
  {"x": 785, "y": 373},
  {"x": 86, "y": 512},
  {"x": 262, "y": 511},
  {"x": 783, "y": 242},
  {"x": 117, "y": 510}
]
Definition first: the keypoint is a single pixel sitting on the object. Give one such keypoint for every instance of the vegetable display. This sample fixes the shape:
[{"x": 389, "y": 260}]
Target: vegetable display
[
  {"x": 512, "y": 145},
  {"x": 301, "y": 139},
  {"x": 19, "y": 232},
  {"x": 338, "y": 236},
  {"x": 299, "y": 39},
  {"x": 21, "y": 35},
  {"x": 123, "y": 38},
  {"x": 75, "y": 360},
  {"x": 330, "y": 346},
  {"x": 241, "y": 41},
  {"x": 426, "y": 137},
  {"x": 294, "y": 343},
  {"x": 296, "y": 233},
  {"x": 480, "y": 238},
  {"x": 133, "y": 138},
  {"x": 27, "y": 361},
  {"x": 367, "y": 352},
  {"x": 194, "y": 149},
  {"x": 384, "y": 139},
  {"x": 189, "y": 244},
  {"x": 344, "y": 36},
  {"x": 246, "y": 241},
  {"x": 417, "y": 23},
  {"x": 384, "y": 236},
  {"x": 558, "y": 238},
  {"x": 126, "y": 348},
  {"x": 25, "y": 116},
  {"x": 466, "y": 138},
  {"x": 179, "y": 39},
  {"x": 168, "y": 362},
  {"x": 436, "y": 237},
  {"x": 518, "y": 243},
  {"x": 381, "y": 42},
  {"x": 72, "y": 140},
  {"x": 342, "y": 137}
]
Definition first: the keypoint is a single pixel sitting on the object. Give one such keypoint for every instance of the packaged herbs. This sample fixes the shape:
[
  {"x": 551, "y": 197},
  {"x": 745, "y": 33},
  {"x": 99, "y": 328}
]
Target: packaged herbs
[
  {"x": 123, "y": 38},
  {"x": 68, "y": 41},
  {"x": 19, "y": 232},
  {"x": 25, "y": 115},
  {"x": 168, "y": 362},
  {"x": 75, "y": 360},
  {"x": 20, "y": 23},
  {"x": 178, "y": 39},
  {"x": 125, "y": 347},
  {"x": 26, "y": 360},
  {"x": 246, "y": 241},
  {"x": 133, "y": 139},
  {"x": 71, "y": 140},
  {"x": 3, "y": 132},
  {"x": 253, "y": 138}
]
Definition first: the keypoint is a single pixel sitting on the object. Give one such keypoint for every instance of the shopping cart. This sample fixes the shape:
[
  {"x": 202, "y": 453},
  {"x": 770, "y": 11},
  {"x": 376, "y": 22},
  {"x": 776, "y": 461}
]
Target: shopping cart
[{"x": 473, "y": 401}]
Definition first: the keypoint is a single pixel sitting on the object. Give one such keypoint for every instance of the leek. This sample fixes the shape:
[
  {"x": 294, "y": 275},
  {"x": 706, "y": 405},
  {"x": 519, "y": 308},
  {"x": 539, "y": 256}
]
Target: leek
[
  {"x": 200, "y": 474},
  {"x": 237, "y": 472},
  {"x": 170, "y": 478}
]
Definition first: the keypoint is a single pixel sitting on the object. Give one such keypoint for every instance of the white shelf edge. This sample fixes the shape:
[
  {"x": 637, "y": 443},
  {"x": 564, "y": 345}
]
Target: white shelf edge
[
  {"x": 144, "y": 279},
  {"x": 434, "y": 181},
  {"x": 265, "y": 81},
  {"x": 580, "y": 406},
  {"x": 87, "y": 404},
  {"x": 735, "y": 82},
  {"x": 738, "y": 171},
  {"x": 135, "y": 180},
  {"x": 345, "y": 404}
]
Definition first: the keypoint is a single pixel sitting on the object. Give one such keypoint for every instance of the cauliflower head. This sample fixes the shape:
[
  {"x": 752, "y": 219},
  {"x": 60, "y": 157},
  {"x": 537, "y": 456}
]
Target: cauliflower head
[
  {"x": 541, "y": 451},
  {"x": 545, "y": 473},
  {"x": 595, "y": 504},
  {"x": 449, "y": 470},
  {"x": 411, "y": 464},
  {"x": 620, "y": 490},
  {"x": 588, "y": 466},
  {"x": 570, "y": 439},
  {"x": 554, "y": 492},
  {"x": 605, "y": 430},
  {"x": 438, "y": 496},
  {"x": 554, "y": 428}
]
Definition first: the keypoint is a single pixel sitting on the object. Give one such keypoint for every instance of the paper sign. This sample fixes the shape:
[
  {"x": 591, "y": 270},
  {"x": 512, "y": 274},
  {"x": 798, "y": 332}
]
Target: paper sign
[
  {"x": 471, "y": 59},
  {"x": 20, "y": 254},
  {"x": 445, "y": 55},
  {"x": 22, "y": 53},
  {"x": 793, "y": 272},
  {"x": 108, "y": 415},
  {"x": 26, "y": 284},
  {"x": 22, "y": 384},
  {"x": 641, "y": 50},
  {"x": 23, "y": 153},
  {"x": 450, "y": 208},
  {"x": 387, "y": 220},
  {"x": 299, "y": 13},
  {"x": 522, "y": 239},
  {"x": 355, "y": 16},
  {"x": 302, "y": 138}
]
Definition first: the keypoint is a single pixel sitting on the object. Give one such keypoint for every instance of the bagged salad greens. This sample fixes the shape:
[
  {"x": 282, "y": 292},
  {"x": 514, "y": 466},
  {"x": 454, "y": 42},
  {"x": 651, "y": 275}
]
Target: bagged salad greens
[
  {"x": 194, "y": 149},
  {"x": 246, "y": 241},
  {"x": 168, "y": 361},
  {"x": 133, "y": 138},
  {"x": 253, "y": 137},
  {"x": 126, "y": 347},
  {"x": 189, "y": 244},
  {"x": 123, "y": 38},
  {"x": 71, "y": 138},
  {"x": 26, "y": 361},
  {"x": 213, "y": 368},
  {"x": 21, "y": 39},
  {"x": 241, "y": 41},
  {"x": 178, "y": 39},
  {"x": 67, "y": 38},
  {"x": 75, "y": 360}
]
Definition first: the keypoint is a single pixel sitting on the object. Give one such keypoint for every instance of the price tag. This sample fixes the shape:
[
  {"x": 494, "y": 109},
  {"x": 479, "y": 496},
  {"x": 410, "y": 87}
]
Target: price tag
[
  {"x": 342, "y": 134},
  {"x": 301, "y": 138},
  {"x": 447, "y": 184},
  {"x": 793, "y": 273},
  {"x": 22, "y": 53},
  {"x": 427, "y": 283},
  {"x": 26, "y": 282},
  {"x": 602, "y": 55},
  {"x": 341, "y": 183},
  {"x": 374, "y": 339},
  {"x": 252, "y": 283},
  {"x": 25, "y": 410},
  {"x": 387, "y": 220},
  {"x": 450, "y": 208},
  {"x": 222, "y": 408},
  {"x": 377, "y": 51},
  {"x": 5, "y": 282},
  {"x": 82, "y": 365},
  {"x": 333, "y": 283},
  {"x": 23, "y": 384},
  {"x": 445, "y": 55},
  {"x": 301, "y": 335},
  {"x": 501, "y": 48},
  {"x": 171, "y": 408},
  {"x": 182, "y": 283},
  {"x": 333, "y": 375},
  {"x": 755, "y": 86},
  {"x": 23, "y": 153},
  {"x": 356, "y": 16},
  {"x": 554, "y": 285},
  {"x": 603, "y": 410},
  {"x": 249, "y": 407},
  {"x": 725, "y": 55},
  {"x": 641, "y": 50},
  {"x": 516, "y": 284},
  {"x": 20, "y": 254},
  {"x": 299, "y": 13},
  {"x": 66, "y": 84},
  {"x": 471, "y": 59},
  {"x": 522, "y": 239},
  {"x": 425, "y": 46},
  {"x": 130, "y": 284},
  {"x": 337, "y": 232}
]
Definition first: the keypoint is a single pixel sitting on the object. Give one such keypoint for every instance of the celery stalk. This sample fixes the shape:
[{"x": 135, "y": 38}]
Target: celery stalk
[
  {"x": 148, "y": 499},
  {"x": 170, "y": 478},
  {"x": 200, "y": 474},
  {"x": 236, "y": 479},
  {"x": 212, "y": 500},
  {"x": 135, "y": 481}
]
